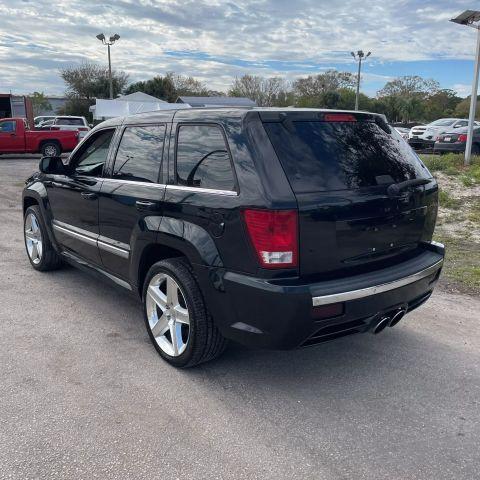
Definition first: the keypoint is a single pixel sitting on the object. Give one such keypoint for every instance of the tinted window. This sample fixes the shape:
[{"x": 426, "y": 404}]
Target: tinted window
[
  {"x": 324, "y": 156},
  {"x": 94, "y": 154},
  {"x": 202, "y": 158},
  {"x": 140, "y": 153},
  {"x": 7, "y": 126},
  {"x": 69, "y": 121}
]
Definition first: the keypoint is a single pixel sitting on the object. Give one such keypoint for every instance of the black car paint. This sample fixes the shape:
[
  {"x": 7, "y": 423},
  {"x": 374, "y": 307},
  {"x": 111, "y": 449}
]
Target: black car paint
[
  {"x": 454, "y": 146},
  {"x": 255, "y": 306}
]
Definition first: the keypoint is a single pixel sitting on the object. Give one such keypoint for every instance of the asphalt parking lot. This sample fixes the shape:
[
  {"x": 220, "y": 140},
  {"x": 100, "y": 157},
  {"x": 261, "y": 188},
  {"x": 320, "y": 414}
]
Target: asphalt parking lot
[{"x": 84, "y": 395}]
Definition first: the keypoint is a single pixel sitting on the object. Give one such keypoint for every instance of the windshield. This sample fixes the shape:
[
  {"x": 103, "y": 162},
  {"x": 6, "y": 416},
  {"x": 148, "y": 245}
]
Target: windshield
[
  {"x": 327, "y": 156},
  {"x": 442, "y": 123}
]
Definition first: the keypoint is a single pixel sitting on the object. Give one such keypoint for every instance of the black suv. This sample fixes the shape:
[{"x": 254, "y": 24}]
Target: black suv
[{"x": 276, "y": 228}]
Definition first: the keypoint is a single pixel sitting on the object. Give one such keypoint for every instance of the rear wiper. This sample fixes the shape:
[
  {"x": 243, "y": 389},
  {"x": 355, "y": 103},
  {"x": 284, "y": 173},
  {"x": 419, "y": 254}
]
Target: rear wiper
[{"x": 394, "y": 189}]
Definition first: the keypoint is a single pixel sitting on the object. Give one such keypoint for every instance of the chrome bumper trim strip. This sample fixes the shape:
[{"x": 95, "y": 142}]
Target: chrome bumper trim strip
[{"x": 385, "y": 287}]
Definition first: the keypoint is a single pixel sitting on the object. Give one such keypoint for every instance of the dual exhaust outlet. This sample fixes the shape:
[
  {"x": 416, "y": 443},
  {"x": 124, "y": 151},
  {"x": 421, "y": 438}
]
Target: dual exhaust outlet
[{"x": 389, "y": 319}]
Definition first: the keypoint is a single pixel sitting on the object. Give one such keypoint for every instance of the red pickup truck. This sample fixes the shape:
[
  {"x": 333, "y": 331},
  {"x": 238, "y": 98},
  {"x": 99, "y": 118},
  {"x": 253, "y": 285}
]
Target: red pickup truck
[{"x": 17, "y": 137}]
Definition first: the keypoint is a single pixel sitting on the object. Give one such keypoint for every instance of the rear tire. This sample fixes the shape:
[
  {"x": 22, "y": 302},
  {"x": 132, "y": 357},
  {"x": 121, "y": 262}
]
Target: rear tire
[
  {"x": 40, "y": 251},
  {"x": 476, "y": 149},
  {"x": 51, "y": 149},
  {"x": 177, "y": 320}
]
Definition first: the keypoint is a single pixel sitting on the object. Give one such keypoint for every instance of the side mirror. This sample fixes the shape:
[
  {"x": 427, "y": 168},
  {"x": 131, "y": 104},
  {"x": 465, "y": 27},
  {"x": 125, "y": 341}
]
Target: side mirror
[{"x": 52, "y": 165}]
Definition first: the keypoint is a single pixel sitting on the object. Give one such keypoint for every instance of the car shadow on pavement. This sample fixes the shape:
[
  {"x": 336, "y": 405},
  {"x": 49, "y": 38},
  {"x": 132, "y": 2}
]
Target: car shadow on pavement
[{"x": 360, "y": 362}]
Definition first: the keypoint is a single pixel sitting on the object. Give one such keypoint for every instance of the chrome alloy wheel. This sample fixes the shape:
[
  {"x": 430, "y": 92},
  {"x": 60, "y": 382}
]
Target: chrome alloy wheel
[
  {"x": 33, "y": 238},
  {"x": 168, "y": 315},
  {"x": 50, "y": 151}
]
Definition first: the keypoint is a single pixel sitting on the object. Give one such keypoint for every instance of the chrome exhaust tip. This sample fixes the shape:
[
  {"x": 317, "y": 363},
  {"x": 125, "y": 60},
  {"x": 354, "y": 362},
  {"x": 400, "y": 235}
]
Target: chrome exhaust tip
[
  {"x": 381, "y": 325},
  {"x": 397, "y": 317}
]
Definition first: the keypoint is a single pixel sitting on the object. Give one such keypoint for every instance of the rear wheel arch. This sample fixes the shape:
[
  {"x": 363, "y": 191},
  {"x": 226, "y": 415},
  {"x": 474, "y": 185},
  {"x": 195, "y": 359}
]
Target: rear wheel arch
[
  {"x": 45, "y": 143},
  {"x": 152, "y": 254}
]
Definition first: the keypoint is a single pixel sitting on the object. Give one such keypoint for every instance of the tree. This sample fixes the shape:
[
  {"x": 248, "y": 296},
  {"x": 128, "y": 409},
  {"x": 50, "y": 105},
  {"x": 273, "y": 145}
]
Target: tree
[
  {"x": 186, "y": 85},
  {"x": 40, "y": 103},
  {"x": 317, "y": 85},
  {"x": 266, "y": 92},
  {"x": 78, "y": 107},
  {"x": 159, "y": 87},
  {"x": 324, "y": 90},
  {"x": 170, "y": 87},
  {"x": 408, "y": 86},
  {"x": 90, "y": 80},
  {"x": 462, "y": 109},
  {"x": 441, "y": 103}
]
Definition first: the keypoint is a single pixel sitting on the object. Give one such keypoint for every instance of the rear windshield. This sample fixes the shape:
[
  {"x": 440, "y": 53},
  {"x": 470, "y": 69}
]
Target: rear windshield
[{"x": 327, "y": 156}]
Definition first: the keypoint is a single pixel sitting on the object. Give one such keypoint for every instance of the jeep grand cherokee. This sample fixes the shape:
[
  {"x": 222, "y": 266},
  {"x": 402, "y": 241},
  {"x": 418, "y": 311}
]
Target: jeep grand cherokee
[{"x": 276, "y": 228}]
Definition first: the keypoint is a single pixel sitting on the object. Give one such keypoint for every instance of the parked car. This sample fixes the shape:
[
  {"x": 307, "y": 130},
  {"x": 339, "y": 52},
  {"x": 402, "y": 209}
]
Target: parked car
[
  {"x": 79, "y": 124},
  {"x": 276, "y": 228},
  {"x": 43, "y": 118},
  {"x": 16, "y": 137},
  {"x": 423, "y": 136},
  {"x": 456, "y": 141}
]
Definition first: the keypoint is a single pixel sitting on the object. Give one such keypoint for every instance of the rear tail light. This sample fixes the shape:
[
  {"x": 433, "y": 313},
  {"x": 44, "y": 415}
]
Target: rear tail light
[
  {"x": 54, "y": 128},
  {"x": 274, "y": 236},
  {"x": 83, "y": 129},
  {"x": 339, "y": 117},
  {"x": 462, "y": 138}
]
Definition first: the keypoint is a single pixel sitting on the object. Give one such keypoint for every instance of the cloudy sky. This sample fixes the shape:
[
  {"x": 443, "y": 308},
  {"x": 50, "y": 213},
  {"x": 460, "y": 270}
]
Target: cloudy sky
[{"x": 215, "y": 40}]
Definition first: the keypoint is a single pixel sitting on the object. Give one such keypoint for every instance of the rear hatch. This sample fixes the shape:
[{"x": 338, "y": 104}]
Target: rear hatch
[{"x": 340, "y": 167}]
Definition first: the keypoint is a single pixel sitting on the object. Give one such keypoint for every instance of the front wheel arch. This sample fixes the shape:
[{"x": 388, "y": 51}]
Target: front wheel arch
[{"x": 44, "y": 145}]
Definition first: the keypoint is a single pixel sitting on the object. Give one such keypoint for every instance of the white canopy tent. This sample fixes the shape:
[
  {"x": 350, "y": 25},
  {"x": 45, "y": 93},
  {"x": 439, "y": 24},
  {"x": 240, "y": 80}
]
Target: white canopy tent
[{"x": 137, "y": 102}]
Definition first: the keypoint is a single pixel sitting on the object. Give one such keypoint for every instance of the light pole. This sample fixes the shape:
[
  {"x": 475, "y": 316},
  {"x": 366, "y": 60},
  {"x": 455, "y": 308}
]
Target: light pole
[
  {"x": 360, "y": 55},
  {"x": 471, "y": 18},
  {"x": 109, "y": 42}
]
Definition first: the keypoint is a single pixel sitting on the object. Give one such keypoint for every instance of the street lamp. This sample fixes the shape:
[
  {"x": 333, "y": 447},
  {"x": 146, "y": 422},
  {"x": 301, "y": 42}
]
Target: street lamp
[
  {"x": 360, "y": 56},
  {"x": 471, "y": 18},
  {"x": 109, "y": 42}
]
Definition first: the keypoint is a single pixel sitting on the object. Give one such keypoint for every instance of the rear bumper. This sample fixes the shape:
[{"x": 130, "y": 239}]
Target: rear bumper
[
  {"x": 449, "y": 147},
  {"x": 420, "y": 143},
  {"x": 281, "y": 315}
]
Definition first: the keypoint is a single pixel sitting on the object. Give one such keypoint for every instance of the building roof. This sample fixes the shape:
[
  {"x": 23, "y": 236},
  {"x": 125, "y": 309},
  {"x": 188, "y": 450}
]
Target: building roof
[
  {"x": 139, "y": 97},
  {"x": 217, "y": 101}
]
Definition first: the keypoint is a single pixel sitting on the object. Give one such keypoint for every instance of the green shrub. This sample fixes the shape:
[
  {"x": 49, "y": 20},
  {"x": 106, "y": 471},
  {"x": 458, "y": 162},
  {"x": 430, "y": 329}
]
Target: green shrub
[{"x": 447, "y": 201}]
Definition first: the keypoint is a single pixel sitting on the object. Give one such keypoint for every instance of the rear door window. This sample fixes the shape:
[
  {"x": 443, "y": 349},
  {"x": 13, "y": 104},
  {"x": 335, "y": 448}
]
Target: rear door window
[
  {"x": 327, "y": 156},
  {"x": 140, "y": 153},
  {"x": 203, "y": 159}
]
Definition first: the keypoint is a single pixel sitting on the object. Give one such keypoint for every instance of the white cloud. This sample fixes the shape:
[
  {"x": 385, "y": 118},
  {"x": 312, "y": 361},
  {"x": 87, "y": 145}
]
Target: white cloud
[
  {"x": 462, "y": 90},
  {"x": 37, "y": 37}
]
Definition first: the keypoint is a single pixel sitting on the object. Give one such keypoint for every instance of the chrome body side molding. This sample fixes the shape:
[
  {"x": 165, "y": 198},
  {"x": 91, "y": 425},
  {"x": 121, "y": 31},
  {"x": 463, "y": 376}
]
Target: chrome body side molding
[{"x": 103, "y": 243}]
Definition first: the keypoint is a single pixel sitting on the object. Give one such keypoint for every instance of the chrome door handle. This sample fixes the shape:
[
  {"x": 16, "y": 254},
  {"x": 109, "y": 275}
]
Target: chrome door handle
[
  {"x": 89, "y": 195},
  {"x": 145, "y": 205}
]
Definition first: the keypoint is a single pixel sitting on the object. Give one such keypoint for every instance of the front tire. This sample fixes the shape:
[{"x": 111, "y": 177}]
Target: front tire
[
  {"x": 40, "y": 250},
  {"x": 178, "y": 323}
]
